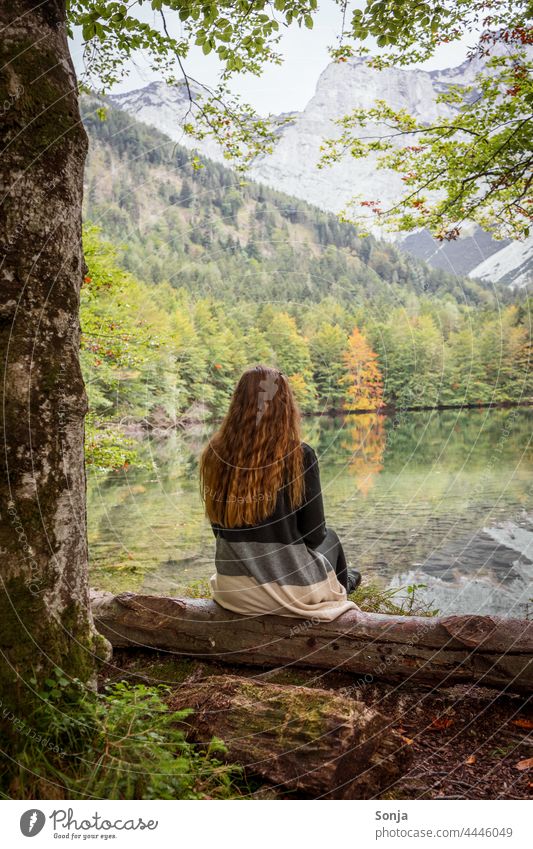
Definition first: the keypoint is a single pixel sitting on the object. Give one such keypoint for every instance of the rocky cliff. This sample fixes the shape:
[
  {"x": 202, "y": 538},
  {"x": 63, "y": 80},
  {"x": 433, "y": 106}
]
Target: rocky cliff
[{"x": 292, "y": 166}]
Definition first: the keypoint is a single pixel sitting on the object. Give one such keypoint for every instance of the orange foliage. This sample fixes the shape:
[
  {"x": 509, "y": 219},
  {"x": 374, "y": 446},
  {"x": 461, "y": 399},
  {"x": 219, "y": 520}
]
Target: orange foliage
[
  {"x": 366, "y": 442},
  {"x": 364, "y": 382}
]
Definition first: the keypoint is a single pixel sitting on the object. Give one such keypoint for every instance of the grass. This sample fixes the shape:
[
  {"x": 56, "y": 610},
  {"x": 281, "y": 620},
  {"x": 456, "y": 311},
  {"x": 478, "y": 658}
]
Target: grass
[
  {"x": 196, "y": 589},
  {"x": 399, "y": 601}
]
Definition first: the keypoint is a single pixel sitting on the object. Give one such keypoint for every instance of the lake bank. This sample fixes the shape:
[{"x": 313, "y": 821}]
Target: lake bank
[
  {"x": 139, "y": 426},
  {"x": 441, "y": 499}
]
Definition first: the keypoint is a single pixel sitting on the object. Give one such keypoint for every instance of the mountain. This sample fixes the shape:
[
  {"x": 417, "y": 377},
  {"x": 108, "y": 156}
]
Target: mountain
[
  {"x": 511, "y": 265},
  {"x": 292, "y": 165},
  {"x": 225, "y": 273},
  {"x": 208, "y": 231}
]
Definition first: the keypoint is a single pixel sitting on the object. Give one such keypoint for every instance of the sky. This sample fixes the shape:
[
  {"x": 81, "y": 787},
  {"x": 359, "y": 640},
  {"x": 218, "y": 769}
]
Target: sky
[{"x": 284, "y": 88}]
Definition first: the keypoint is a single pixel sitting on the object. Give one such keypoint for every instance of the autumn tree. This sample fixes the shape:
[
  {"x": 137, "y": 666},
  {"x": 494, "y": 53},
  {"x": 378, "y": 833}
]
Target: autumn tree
[
  {"x": 365, "y": 439},
  {"x": 364, "y": 383}
]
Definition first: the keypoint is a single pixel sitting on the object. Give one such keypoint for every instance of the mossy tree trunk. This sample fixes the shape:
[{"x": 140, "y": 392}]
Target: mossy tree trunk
[
  {"x": 310, "y": 740},
  {"x": 45, "y": 617}
]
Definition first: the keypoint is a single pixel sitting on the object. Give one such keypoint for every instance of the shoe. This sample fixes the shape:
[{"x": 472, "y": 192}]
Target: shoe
[{"x": 354, "y": 579}]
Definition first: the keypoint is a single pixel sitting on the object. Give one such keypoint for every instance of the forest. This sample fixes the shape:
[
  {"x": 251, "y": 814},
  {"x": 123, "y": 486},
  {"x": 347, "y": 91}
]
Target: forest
[{"x": 194, "y": 274}]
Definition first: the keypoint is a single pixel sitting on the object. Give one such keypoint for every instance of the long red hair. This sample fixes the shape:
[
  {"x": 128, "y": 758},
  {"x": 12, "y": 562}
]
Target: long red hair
[{"x": 255, "y": 452}]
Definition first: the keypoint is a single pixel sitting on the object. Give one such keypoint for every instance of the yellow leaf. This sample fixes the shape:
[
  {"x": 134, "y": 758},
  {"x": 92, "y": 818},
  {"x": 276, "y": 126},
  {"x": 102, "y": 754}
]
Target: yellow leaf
[{"x": 407, "y": 740}]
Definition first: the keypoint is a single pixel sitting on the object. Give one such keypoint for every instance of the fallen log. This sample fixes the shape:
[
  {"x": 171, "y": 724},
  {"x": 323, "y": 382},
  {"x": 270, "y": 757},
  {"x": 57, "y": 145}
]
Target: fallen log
[
  {"x": 300, "y": 738},
  {"x": 488, "y": 650}
]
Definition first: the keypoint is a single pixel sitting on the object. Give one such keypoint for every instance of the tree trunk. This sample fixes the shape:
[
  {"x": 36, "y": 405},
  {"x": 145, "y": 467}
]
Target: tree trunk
[
  {"x": 45, "y": 616},
  {"x": 443, "y": 650},
  {"x": 313, "y": 741}
]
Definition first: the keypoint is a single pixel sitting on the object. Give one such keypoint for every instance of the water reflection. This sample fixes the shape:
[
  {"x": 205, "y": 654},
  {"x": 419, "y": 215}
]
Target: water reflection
[
  {"x": 436, "y": 498},
  {"x": 365, "y": 443}
]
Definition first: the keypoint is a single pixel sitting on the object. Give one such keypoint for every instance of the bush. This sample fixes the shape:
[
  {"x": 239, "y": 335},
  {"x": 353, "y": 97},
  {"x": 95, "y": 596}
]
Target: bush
[{"x": 122, "y": 744}]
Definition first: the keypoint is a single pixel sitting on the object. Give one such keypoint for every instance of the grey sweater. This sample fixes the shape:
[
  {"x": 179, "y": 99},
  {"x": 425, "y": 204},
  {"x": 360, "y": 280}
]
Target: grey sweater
[{"x": 272, "y": 567}]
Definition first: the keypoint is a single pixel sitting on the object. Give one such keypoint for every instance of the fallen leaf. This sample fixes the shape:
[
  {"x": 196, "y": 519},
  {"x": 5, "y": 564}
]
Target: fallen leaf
[
  {"x": 406, "y": 740},
  {"x": 440, "y": 723},
  {"x": 523, "y": 723},
  {"x": 471, "y": 760},
  {"x": 527, "y": 764}
]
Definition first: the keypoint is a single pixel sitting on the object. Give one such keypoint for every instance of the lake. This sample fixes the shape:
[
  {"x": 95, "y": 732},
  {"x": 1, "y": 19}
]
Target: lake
[{"x": 440, "y": 499}]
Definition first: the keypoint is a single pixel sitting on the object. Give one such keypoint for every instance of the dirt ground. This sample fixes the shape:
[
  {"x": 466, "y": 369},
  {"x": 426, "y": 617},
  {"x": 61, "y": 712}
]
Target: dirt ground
[{"x": 467, "y": 742}]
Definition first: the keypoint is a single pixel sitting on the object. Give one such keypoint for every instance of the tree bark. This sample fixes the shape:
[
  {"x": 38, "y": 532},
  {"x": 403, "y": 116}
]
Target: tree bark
[
  {"x": 443, "y": 650},
  {"x": 45, "y": 618},
  {"x": 310, "y": 740}
]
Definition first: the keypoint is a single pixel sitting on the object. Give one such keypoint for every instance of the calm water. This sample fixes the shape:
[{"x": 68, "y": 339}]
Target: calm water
[{"x": 441, "y": 499}]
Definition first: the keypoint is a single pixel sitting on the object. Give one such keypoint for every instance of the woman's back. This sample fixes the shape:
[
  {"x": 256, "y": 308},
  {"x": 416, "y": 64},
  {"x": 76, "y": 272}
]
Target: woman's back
[
  {"x": 272, "y": 566},
  {"x": 261, "y": 488}
]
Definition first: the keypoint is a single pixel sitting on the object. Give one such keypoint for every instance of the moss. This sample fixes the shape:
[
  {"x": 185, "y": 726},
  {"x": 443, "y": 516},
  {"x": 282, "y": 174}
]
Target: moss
[
  {"x": 170, "y": 671},
  {"x": 295, "y": 707},
  {"x": 69, "y": 644},
  {"x": 50, "y": 124},
  {"x": 173, "y": 671},
  {"x": 153, "y": 668},
  {"x": 296, "y": 677},
  {"x": 304, "y": 706}
]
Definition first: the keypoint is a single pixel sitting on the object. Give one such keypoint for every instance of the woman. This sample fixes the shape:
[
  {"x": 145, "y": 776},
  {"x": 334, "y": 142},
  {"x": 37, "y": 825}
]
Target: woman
[{"x": 261, "y": 489}]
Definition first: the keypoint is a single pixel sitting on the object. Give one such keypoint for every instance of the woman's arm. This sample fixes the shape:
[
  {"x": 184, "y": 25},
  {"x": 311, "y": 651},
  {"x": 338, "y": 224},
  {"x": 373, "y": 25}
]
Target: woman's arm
[{"x": 310, "y": 517}]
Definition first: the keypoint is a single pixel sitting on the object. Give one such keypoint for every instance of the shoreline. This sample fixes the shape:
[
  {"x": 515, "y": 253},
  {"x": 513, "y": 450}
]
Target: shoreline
[
  {"x": 140, "y": 426},
  {"x": 391, "y": 410}
]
